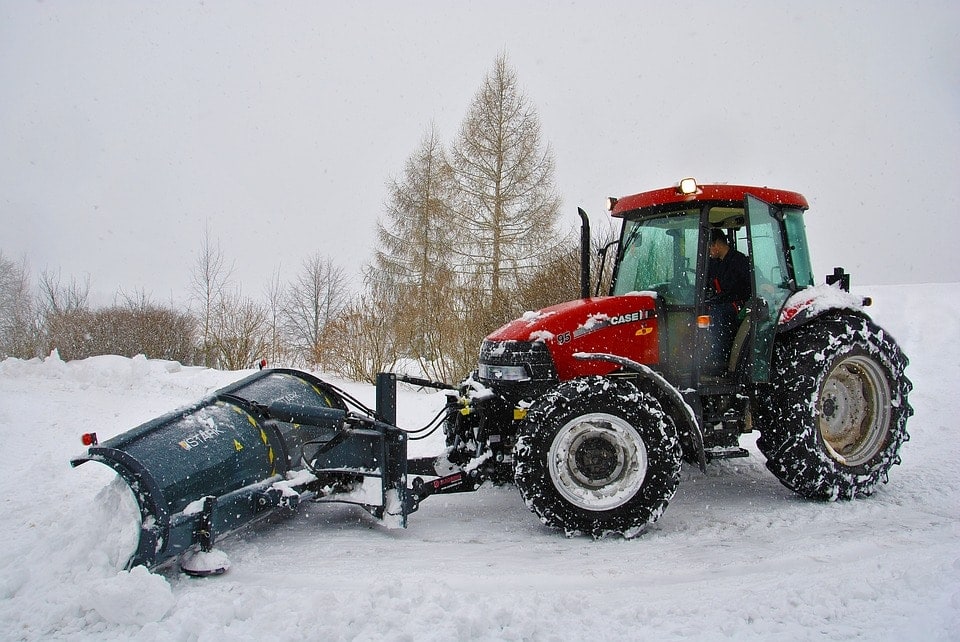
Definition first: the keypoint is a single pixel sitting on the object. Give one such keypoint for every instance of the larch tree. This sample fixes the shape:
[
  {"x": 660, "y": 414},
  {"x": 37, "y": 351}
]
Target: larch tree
[
  {"x": 415, "y": 236},
  {"x": 506, "y": 204},
  {"x": 411, "y": 273}
]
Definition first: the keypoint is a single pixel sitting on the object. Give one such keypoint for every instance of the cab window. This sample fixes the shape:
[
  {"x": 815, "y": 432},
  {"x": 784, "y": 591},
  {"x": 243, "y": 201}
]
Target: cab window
[
  {"x": 799, "y": 254},
  {"x": 660, "y": 254}
]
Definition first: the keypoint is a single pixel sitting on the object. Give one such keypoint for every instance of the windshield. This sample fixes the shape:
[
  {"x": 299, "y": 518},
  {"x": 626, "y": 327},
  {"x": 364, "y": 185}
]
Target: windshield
[{"x": 660, "y": 254}]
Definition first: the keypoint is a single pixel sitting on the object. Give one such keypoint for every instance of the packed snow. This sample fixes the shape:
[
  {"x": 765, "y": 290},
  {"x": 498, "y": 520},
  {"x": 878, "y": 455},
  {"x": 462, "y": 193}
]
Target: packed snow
[{"x": 735, "y": 556}]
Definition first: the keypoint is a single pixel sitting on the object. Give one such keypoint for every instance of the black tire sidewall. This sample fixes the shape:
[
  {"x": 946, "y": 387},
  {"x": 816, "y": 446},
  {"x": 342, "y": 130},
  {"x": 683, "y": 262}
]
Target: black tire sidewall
[
  {"x": 546, "y": 418},
  {"x": 791, "y": 439}
]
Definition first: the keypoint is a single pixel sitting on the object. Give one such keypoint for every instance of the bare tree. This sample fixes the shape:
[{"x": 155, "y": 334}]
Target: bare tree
[
  {"x": 165, "y": 333},
  {"x": 140, "y": 327},
  {"x": 506, "y": 203},
  {"x": 362, "y": 342},
  {"x": 241, "y": 337},
  {"x": 60, "y": 297},
  {"x": 274, "y": 292},
  {"x": 556, "y": 281},
  {"x": 313, "y": 300},
  {"x": 17, "y": 310},
  {"x": 210, "y": 279},
  {"x": 65, "y": 315}
]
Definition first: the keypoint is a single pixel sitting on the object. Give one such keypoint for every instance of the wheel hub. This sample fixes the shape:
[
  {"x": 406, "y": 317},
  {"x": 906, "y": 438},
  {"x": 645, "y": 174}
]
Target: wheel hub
[
  {"x": 829, "y": 407},
  {"x": 598, "y": 461},
  {"x": 854, "y": 410}
]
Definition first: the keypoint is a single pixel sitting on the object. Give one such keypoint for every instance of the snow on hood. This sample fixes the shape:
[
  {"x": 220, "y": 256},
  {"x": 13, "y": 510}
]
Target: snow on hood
[
  {"x": 532, "y": 317},
  {"x": 541, "y": 336}
]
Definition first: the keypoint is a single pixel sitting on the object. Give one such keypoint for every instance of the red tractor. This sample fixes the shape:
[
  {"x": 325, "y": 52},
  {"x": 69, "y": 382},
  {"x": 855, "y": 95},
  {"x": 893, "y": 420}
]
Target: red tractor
[{"x": 590, "y": 406}]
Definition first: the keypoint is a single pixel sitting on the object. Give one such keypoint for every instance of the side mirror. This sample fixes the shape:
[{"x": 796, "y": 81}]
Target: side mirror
[{"x": 841, "y": 277}]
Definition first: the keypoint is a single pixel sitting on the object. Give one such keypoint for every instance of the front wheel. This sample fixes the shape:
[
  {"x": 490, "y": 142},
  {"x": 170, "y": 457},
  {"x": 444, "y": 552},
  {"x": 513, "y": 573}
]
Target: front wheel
[
  {"x": 597, "y": 456},
  {"x": 835, "y": 417}
]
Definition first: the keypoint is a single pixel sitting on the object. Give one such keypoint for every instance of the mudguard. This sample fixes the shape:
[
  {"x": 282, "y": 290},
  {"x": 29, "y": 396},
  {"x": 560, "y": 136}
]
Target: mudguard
[
  {"x": 811, "y": 302},
  {"x": 691, "y": 435}
]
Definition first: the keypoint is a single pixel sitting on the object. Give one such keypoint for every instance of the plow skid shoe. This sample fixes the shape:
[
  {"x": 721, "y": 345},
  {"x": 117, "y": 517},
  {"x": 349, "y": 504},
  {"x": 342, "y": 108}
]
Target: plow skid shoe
[{"x": 227, "y": 460}]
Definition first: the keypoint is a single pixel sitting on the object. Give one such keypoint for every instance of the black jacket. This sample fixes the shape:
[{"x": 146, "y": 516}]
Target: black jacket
[{"x": 728, "y": 279}]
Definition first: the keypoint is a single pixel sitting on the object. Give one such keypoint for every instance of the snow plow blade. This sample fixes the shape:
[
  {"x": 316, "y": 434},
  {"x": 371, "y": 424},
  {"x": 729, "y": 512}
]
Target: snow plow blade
[{"x": 266, "y": 442}]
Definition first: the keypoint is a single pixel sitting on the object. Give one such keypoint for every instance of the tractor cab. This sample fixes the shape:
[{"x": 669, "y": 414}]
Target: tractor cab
[{"x": 664, "y": 249}]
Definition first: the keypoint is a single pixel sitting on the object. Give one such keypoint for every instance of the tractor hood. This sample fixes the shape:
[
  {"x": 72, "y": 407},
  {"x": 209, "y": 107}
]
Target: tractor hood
[{"x": 623, "y": 325}]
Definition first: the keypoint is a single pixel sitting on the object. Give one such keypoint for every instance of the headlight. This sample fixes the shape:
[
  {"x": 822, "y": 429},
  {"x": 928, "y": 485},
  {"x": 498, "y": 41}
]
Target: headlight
[{"x": 503, "y": 373}]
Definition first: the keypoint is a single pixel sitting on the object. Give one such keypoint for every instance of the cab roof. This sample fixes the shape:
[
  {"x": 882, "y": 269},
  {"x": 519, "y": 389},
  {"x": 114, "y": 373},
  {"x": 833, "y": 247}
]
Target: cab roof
[{"x": 715, "y": 192}]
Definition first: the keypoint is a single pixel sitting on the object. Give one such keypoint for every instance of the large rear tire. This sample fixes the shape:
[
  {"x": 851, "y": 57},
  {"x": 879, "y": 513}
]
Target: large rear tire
[
  {"x": 597, "y": 456},
  {"x": 835, "y": 415}
]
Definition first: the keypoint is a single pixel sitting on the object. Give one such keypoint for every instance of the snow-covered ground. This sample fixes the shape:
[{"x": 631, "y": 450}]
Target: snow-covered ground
[{"x": 735, "y": 556}]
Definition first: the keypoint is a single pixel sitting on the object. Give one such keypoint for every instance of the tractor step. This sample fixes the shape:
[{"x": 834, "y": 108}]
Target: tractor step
[{"x": 726, "y": 453}]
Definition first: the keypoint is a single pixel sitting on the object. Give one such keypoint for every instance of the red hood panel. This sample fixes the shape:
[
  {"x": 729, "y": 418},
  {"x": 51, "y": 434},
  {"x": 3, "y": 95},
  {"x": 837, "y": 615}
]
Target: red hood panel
[{"x": 620, "y": 325}]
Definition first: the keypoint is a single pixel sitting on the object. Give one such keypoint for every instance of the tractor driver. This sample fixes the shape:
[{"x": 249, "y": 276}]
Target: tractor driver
[{"x": 728, "y": 288}]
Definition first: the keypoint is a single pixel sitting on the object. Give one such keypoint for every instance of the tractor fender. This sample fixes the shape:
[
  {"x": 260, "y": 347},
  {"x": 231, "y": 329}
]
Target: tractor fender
[
  {"x": 808, "y": 304},
  {"x": 688, "y": 427}
]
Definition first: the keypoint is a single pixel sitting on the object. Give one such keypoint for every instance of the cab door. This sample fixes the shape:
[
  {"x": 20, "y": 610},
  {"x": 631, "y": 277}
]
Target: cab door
[{"x": 772, "y": 281}]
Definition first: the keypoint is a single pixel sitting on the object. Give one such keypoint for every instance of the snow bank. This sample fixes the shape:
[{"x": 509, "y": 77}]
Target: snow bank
[{"x": 735, "y": 556}]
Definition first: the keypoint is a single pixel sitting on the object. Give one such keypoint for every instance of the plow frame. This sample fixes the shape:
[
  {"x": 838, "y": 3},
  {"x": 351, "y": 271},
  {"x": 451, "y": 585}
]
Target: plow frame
[{"x": 301, "y": 452}]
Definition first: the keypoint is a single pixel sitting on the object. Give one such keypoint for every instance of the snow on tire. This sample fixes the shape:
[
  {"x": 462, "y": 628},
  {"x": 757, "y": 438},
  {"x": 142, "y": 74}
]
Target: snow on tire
[
  {"x": 597, "y": 456},
  {"x": 836, "y": 411}
]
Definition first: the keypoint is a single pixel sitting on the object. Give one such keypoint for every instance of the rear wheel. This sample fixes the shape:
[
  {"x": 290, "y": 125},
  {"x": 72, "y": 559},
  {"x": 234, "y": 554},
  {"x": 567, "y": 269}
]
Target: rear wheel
[
  {"x": 835, "y": 416},
  {"x": 597, "y": 456}
]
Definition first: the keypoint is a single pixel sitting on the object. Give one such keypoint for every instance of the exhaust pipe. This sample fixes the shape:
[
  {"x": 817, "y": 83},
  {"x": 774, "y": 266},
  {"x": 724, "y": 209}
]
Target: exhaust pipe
[{"x": 584, "y": 254}]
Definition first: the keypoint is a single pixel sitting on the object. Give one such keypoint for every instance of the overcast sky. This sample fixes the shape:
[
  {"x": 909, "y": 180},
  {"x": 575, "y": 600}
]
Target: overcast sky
[{"x": 126, "y": 128}]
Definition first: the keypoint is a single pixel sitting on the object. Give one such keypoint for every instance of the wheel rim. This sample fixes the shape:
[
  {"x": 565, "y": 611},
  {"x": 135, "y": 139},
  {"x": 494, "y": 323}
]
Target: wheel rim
[
  {"x": 854, "y": 410},
  {"x": 598, "y": 461}
]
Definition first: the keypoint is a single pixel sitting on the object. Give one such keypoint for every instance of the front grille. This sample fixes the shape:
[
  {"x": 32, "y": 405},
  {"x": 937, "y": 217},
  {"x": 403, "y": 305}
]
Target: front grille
[{"x": 532, "y": 355}]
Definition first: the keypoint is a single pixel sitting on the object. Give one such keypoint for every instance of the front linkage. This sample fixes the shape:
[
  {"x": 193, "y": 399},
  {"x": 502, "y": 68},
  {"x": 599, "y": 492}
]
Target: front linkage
[{"x": 263, "y": 444}]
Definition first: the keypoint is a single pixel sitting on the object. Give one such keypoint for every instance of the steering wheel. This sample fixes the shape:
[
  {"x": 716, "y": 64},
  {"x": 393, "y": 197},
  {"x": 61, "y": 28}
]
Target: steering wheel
[{"x": 681, "y": 286}]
